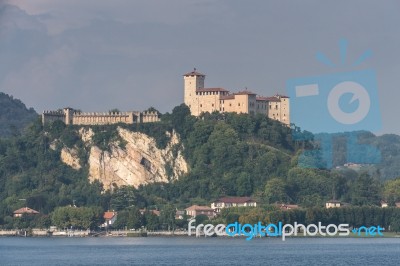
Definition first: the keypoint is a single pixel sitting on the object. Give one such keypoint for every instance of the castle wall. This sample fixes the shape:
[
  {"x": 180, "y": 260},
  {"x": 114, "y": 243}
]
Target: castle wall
[
  {"x": 149, "y": 117},
  {"x": 279, "y": 109},
  {"x": 51, "y": 116},
  {"x": 71, "y": 117},
  {"x": 207, "y": 101},
  {"x": 262, "y": 107},
  {"x": 103, "y": 118}
]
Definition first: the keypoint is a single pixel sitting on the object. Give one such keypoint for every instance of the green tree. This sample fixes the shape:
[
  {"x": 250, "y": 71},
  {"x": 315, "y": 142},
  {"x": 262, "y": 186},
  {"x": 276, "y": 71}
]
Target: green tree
[{"x": 276, "y": 191}]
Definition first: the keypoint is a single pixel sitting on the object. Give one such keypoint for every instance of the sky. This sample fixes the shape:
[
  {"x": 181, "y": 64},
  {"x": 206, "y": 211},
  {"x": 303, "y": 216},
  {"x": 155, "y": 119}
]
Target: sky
[{"x": 96, "y": 55}]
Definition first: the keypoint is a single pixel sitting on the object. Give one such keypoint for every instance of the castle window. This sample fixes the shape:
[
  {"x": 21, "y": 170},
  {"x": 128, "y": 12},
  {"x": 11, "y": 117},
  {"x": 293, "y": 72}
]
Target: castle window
[
  {"x": 212, "y": 105},
  {"x": 201, "y": 105},
  {"x": 238, "y": 104}
]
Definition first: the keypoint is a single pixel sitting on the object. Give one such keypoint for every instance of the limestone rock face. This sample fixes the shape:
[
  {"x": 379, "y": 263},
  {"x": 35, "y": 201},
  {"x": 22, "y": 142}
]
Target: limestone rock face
[
  {"x": 139, "y": 162},
  {"x": 70, "y": 157}
]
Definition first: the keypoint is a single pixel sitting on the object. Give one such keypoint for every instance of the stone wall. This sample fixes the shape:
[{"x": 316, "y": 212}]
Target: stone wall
[{"x": 71, "y": 117}]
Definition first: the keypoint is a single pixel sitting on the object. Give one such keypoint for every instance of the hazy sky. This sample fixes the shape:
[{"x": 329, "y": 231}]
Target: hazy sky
[{"x": 96, "y": 55}]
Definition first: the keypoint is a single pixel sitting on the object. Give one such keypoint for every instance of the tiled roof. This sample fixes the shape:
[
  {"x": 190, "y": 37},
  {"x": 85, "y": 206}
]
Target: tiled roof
[
  {"x": 199, "y": 208},
  {"x": 26, "y": 210},
  {"x": 273, "y": 99},
  {"x": 246, "y": 92},
  {"x": 235, "y": 199},
  {"x": 194, "y": 73},
  {"x": 262, "y": 98},
  {"x": 109, "y": 215},
  {"x": 155, "y": 212},
  {"x": 210, "y": 89},
  {"x": 281, "y": 96}
]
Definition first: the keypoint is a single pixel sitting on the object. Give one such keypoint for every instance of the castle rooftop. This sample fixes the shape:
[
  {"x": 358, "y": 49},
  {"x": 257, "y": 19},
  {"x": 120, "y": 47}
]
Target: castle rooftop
[{"x": 245, "y": 92}]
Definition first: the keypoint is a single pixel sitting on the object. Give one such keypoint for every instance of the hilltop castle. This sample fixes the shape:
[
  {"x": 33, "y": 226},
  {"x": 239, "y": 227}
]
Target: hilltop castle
[
  {"x": 73, "y": 117},
  {"x": 196, "y": 97},
  {"x": 200, "y": 99}
]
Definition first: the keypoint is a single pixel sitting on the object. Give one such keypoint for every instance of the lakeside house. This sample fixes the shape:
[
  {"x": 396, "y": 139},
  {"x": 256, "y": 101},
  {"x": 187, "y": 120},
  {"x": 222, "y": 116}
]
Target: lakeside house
[
  {"x": 109, "y": 218},
  {"x": 196, "y": 210},
  {"x": 25, "y": 211},
  {"x": 228, "y": 202}
]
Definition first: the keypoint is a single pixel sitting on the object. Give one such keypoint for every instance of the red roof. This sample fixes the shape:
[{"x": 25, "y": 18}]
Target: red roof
[
  {"x": 246, "y": 92},
  {"x": 262, "y": 98},
  {"x": 26, "y": 210},
  {"x": 199, "y": 208},
  {"x": 281, "y": 96},
  {"x": 155, "y": 212},
  {"x": 194, "y": 73},
  {"x": 109, "y": 215},
  {"x": 210, "y": 89},
  {"x": 273, "y": 99},
  {"x": 235, "y": 199}
]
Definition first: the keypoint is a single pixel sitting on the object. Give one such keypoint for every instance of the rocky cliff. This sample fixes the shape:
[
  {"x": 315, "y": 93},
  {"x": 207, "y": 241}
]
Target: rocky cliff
[{"x": 139, "y": 162}]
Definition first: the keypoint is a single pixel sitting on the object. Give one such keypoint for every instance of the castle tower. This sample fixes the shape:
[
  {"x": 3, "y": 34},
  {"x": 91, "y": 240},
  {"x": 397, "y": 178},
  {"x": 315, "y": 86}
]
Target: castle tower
[
  {"x": 284, "y": 111},
  {"x": 69, "y": 113},
  {"x": 192, "y": 82}
]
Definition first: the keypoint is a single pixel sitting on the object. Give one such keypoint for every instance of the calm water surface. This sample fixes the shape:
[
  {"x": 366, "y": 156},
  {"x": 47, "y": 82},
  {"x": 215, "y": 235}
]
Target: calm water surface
[{"x": 199, "y": 251}]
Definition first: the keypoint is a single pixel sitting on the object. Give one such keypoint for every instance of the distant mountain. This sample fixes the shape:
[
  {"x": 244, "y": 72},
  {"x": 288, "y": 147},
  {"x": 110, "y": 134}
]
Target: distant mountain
[
  {"x": 14, "y": 116},
  {"x": 387, "y": 145}
]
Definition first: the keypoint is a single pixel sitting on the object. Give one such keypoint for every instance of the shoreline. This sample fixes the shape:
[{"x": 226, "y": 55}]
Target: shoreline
[{"x": 126, "y": 234}]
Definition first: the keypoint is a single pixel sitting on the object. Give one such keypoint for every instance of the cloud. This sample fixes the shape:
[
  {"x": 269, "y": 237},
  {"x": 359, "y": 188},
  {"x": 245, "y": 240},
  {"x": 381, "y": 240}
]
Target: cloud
[
  {"x": 96, "y": 54},
  {"x": 38, "y": 79}
]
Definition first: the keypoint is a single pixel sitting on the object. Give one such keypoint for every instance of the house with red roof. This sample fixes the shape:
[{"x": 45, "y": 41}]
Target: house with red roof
[
  {"x": 109, "y": 218},
  {"x": 196, "y": 210},
  {"x": 25, "y": 211}
]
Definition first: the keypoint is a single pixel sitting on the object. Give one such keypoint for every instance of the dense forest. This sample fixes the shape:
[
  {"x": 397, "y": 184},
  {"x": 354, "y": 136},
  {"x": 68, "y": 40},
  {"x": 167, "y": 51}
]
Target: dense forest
[{"x": 228, "y": 154}]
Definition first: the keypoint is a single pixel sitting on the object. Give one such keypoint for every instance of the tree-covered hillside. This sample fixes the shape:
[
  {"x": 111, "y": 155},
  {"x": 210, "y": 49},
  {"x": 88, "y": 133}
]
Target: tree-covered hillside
[
  {"x": 228, "y": 155},
  {"x": 14, "y": 116}
]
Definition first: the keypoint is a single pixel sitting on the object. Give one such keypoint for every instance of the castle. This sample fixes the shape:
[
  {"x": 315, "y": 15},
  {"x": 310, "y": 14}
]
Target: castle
[
  {"x": 200, "y": 99},
  {"x": 73, "y": 117},
  {"x": 196, "y": 97}
]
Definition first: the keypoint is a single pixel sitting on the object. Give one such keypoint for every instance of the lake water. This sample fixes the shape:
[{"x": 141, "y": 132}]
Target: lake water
[{"x": 199, "y": 251}]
